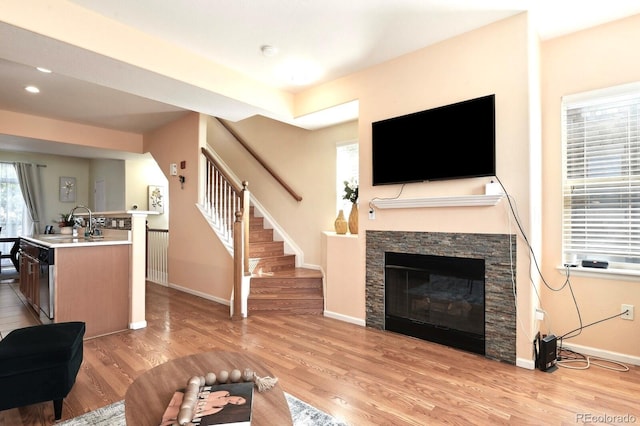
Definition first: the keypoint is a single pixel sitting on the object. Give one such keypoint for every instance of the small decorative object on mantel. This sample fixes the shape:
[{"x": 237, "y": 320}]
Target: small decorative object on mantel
[
  {"x": 340, "y": 224},
  {"x": 229, "y": 393},
  {"x": 351, "y": 194}
]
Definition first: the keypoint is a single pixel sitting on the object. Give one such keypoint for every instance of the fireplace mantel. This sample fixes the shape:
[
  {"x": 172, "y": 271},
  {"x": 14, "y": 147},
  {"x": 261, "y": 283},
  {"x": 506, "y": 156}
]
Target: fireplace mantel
[{"x": 456, "y": 201}]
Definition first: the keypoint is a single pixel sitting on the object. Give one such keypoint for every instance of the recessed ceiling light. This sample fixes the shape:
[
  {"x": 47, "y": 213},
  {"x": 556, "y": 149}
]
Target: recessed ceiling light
[
  {"x": 268, "y": 50},
  {"x": 32, "y": 89},
  {"x": 44, "y": 70}
]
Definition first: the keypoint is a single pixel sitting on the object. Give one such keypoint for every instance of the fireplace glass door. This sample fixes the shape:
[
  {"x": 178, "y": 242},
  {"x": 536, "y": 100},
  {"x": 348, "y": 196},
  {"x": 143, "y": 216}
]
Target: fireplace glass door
[{"x": 436, "y": 298}]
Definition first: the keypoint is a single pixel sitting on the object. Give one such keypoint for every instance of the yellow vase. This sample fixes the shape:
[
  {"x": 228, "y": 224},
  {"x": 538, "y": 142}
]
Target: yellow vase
[
  {"x": 341, "y": 223},
  {"x": 353, "y": 219}
]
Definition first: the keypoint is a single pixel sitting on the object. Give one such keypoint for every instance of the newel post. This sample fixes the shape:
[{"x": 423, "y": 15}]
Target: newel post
[{"x": 238, "y": 249}]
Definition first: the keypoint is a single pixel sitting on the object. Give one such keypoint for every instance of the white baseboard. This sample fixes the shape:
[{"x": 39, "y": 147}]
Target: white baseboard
[
  {"x": 600, "y": 353},
  {"x": 345, "y": 318},
  {"x": 200, "y": 294},
  {"x": 529, "y": 364},
  {"x": 137, "y": 325}
]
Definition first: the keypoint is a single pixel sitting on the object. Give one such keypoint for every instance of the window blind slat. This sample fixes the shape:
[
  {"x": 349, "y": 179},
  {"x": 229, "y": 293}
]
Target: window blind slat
[{"x": 601, "y": 189}]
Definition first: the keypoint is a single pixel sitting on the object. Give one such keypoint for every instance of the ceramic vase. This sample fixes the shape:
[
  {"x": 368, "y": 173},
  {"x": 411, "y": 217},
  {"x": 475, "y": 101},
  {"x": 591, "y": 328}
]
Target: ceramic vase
[
  {"x": 66, "y": 230},
  {"x": 341, "y": 223},
  {"x": 353, "y": 219}
]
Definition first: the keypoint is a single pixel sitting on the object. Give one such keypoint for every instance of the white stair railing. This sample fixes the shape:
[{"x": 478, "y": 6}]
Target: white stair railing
[{"x": 157, "y": 247}]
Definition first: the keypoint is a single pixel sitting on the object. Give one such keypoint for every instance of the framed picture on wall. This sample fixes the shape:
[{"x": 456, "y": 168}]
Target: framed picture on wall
[
  {"x": 156, "y": 198},
  {"x": 68, "y": 189}
]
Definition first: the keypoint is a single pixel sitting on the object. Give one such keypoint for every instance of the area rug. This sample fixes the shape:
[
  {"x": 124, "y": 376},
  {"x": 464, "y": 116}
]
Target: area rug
[{"x": 302, "y": 414}]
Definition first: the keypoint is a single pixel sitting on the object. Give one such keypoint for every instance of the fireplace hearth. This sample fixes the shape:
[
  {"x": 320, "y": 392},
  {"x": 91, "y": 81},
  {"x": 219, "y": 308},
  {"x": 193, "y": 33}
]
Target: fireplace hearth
[
  {"x": 495, "y": 251},
  {"x": 436, "y": 298}
]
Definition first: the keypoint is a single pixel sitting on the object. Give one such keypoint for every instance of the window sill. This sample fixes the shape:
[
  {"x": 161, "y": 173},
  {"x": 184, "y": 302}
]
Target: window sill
[{"x": 608, "y": 273}]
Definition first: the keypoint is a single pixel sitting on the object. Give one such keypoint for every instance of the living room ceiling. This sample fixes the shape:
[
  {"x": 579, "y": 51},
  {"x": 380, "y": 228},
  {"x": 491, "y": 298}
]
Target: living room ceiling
[{"x": 331, "y": 38}]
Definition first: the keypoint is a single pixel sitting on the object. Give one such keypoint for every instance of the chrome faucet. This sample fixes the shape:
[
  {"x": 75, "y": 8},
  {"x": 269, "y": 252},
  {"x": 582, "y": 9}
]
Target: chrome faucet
[{"x": 89, "y": 230}]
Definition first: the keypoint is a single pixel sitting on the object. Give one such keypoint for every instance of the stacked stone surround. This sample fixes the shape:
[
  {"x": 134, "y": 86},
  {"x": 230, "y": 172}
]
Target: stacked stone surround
[{"x": 498, "y": 252}]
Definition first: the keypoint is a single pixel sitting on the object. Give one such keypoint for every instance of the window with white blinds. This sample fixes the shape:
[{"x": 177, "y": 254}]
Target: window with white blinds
[{"x": 601, "y": 190}]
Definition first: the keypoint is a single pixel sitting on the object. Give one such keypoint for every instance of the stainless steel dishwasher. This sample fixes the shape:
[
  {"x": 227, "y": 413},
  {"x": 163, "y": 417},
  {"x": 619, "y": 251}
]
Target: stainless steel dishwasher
[
  {"x": 45, "y": 274},
  {"x": 46, "y": 262}
]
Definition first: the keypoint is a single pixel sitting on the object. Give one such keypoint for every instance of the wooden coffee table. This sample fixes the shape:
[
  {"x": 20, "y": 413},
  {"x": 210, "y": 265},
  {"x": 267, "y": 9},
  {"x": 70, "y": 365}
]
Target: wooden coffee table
[{"x": 148, "y": 396}]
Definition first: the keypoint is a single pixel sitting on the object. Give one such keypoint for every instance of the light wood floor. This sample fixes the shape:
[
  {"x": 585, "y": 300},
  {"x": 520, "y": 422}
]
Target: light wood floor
[{"x": 359, "y": 375}]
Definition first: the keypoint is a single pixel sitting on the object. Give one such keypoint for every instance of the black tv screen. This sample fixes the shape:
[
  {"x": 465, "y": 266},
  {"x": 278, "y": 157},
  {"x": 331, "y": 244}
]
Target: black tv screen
[{"x": 448, "y": 142}]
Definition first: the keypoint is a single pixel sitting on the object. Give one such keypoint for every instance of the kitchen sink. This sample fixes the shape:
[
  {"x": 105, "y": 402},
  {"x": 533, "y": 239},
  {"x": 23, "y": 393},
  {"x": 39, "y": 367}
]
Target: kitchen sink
[{"x": 47, "y": 237}]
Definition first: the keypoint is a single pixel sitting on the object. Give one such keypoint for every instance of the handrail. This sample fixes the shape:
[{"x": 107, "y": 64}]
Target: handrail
[{"x": 260, "y": 160}]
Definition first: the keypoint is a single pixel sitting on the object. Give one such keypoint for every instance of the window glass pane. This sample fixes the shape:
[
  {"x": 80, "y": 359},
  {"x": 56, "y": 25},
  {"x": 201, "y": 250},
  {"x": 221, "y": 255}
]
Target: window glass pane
[
  {"x": 346, "y": 170},
  {"x": 12, "y": 208}
]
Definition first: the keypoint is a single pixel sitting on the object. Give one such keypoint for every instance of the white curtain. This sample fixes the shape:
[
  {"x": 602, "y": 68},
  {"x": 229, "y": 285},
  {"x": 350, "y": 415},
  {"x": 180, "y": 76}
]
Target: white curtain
[{"x": 29, "y": 181}]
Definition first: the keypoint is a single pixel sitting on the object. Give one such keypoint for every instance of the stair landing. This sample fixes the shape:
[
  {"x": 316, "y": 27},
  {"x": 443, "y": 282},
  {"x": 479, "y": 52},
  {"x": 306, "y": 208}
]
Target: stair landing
[
  {"x": 277, "y": 286},
  {"x": 296, "y": 291}
]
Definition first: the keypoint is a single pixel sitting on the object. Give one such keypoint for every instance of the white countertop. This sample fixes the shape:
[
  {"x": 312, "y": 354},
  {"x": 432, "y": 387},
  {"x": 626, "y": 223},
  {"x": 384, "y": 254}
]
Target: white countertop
[{"x": 60, "y": 241}]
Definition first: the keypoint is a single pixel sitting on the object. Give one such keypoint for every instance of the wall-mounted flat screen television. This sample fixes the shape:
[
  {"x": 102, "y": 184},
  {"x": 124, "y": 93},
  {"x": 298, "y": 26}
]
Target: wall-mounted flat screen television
[{"x": 448, "y": 142}]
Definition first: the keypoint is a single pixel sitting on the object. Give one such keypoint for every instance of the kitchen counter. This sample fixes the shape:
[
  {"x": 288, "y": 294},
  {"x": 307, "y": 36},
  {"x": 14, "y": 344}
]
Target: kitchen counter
[
  {"x": 88, "y": 279},
  {"x": 61, "y": 240}
]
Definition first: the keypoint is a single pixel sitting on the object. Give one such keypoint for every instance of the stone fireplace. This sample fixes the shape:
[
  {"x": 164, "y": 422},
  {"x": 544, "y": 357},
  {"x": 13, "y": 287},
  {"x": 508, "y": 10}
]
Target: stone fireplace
[{"x": 496, "y": 252}]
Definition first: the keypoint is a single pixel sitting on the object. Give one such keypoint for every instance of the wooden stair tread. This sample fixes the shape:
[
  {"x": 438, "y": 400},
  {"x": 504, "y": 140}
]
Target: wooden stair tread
[
  {"x": 290, "y": 273},
  {"x": 285, "y": 296}
]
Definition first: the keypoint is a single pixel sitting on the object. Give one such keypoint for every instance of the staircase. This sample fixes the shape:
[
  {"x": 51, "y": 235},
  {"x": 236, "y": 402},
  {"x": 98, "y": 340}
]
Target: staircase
[{"x": 277, "y": 286}]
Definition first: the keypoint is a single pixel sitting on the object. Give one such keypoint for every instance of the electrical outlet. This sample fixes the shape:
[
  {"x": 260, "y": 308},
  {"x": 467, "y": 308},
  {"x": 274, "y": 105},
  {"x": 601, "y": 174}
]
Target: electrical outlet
[
  {"x": 629, "y": 312},
  {"x": 539, "y": 314},
  {"x": 372, "y": 214}
]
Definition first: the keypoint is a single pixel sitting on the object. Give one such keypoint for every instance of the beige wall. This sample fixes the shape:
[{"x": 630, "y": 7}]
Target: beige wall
[
  {"x": 304, "y": 159},
  {"x": 341, "y": 297},
  {"x": 112, "y": 174},
  {"x": 496, "y": 59},
  {"x": 47, "y": 129},
  {"x": 197, "y": 261},
  {"x": 587, "y": 60},
  {"x": 140, "y": 174}
]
